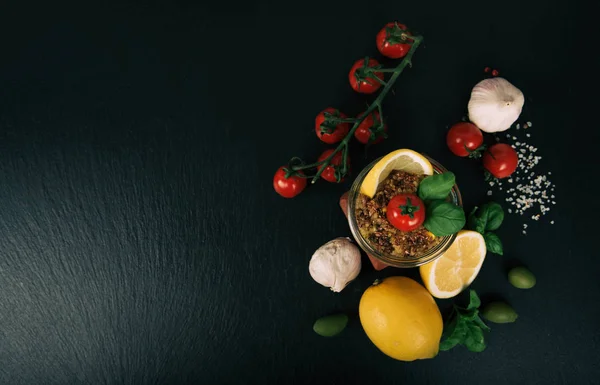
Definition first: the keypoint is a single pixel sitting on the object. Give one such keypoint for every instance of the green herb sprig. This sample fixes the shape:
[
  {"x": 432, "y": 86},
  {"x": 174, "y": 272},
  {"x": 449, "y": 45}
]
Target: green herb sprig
[
  {"x": 465, "y": 327},
  {"x": 485, "y": 220},
  {"x": 442, "y": 217}
]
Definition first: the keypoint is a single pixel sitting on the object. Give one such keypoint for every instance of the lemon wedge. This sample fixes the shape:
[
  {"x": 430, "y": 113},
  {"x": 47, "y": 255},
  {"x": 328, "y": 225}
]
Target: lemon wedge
[
  {"x": 454, "y": 271},
  {"x": 404, "y": 159}
]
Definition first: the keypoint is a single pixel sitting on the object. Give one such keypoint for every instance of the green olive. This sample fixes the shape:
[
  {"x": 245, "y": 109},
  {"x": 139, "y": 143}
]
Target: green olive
[
  {"x": 521, "y": 278},
  {"x": 330, "y": 325},
  {"x": 499, "y": 312}
]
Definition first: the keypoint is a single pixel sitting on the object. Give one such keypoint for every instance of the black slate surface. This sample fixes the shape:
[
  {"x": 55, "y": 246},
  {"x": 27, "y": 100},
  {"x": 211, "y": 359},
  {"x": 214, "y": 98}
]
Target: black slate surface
[{"x": 141, "y": 241}]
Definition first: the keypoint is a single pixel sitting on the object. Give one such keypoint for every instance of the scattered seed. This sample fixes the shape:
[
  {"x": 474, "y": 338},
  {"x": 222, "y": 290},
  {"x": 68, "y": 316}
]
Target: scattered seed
[{"x": 531, "y": 191}]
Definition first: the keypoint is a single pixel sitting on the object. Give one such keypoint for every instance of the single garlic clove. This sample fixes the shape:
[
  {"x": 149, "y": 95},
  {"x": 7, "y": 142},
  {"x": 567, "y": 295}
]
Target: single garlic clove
[
  {"x": 495, "y": 104},
  {"x": 335, "y": 264}
]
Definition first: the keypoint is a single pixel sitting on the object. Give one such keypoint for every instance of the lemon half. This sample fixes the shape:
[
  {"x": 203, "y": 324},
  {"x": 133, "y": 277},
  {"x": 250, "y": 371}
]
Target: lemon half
[
  {"x": 404, "y": 160},
  {"x": 454, "y": 271}
]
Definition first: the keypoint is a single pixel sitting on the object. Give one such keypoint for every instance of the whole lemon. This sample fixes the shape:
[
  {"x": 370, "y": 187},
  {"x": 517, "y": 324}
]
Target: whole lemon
[{"x": 401, "y": 318}]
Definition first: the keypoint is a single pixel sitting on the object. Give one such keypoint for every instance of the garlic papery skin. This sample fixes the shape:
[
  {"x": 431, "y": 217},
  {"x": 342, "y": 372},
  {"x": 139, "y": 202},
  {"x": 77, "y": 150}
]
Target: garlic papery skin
[
  {"x": 495, "y": 104},
  {"x": 335, "y": 264}
]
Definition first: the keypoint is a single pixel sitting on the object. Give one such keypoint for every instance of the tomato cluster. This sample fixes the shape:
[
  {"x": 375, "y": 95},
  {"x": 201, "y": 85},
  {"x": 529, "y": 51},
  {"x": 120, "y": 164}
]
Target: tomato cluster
[
  {"x": 333, "y": 126},
  {"x": 465, "y": 139}
]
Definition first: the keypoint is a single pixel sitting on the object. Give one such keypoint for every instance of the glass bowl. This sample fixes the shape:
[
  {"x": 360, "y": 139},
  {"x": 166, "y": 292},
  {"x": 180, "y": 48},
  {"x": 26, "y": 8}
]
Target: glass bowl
[{"x": 393, "y": 260}]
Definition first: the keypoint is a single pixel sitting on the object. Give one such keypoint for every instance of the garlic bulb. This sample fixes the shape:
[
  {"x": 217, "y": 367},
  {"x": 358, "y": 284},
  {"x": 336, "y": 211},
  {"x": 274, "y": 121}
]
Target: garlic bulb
[
  {"x": 495, "y": 104},
  {"x": 335, "y": 264}
]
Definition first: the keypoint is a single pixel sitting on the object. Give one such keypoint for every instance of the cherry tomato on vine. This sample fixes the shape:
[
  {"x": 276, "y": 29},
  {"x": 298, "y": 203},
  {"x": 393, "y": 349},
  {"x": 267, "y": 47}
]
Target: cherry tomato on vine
[
  {"x": 362, "y": 76},
  {"x": 463, "y": 138},
  {"x": 328, "y": 129},
  {"x": 406, "y": 212},
  {"x": 392, "y": 41},
  {"x": 335, "y": 163},
  {"x": 288, "y": 187},
  {"x": 500, "y": 160},
  {"x": 371, "y": 129}
]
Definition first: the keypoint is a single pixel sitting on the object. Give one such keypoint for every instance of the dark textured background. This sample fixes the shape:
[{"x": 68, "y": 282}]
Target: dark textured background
[{"x": 141, "y": 241}]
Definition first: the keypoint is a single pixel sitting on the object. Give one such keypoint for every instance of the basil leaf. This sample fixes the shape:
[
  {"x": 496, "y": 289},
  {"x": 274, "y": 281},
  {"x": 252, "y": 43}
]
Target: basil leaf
[
  {"x": 493, "y": 214},
  {"x": 475, "y": 340},
  {"x": 481, "y": 324},
  {"x": 493, "y": 243},
  {"x": 474, "y": 301},
  {"x": 444, "y": 218},
  {"x": 476, "y": 223},
  {"x": 457, "y": 332},
  {"x": 436, "y": 186},
  {"x": 448, "y": 340},
  {"x": 470, "y": 315}
]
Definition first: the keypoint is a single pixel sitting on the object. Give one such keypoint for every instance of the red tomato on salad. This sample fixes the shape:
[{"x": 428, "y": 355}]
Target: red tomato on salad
[{"x": 406, "y": 212}]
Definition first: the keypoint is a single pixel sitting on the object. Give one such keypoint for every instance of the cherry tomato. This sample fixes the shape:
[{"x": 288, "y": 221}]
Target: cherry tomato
[
  {"x": 362, "y": 79},
  {"x": 288, "y": 187},
  {"x": 500, "y": 160},
  {"x": 370, "y": 129},
  {"x": 406, "y": 212},
  {"x": 326, "y": 127},
  {"x": 335, "y": 163},
  {"x": 392, "y": 41},
  {"x": 463, "y": 138}
]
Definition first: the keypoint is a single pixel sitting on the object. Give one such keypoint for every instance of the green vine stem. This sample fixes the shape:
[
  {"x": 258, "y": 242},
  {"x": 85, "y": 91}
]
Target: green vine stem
[{"x": 376, "y": 104}]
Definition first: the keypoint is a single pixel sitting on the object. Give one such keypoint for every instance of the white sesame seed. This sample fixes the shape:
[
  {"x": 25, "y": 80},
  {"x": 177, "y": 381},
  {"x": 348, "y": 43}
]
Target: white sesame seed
[
  {"x": 524, "y": 225},
  {"x": 529, "y": 124},
  {"x": 489, "y": 193},
  {"x": 509, "y": 211},
  {"x": 524, "y": 232},
  {"x": 551, "y": 222},
  {"x": 528, "y": 135}
]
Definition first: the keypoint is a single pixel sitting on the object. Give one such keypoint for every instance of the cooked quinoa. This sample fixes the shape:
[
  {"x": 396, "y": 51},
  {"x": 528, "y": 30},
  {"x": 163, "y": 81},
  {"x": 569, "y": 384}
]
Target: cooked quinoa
[{"x": 376, "y": 229}]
